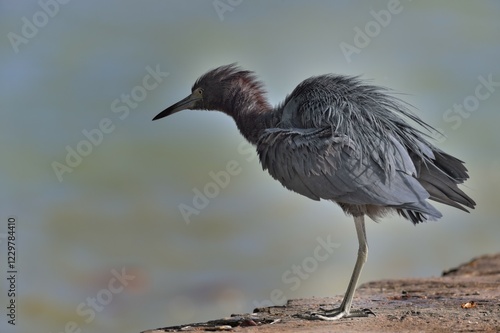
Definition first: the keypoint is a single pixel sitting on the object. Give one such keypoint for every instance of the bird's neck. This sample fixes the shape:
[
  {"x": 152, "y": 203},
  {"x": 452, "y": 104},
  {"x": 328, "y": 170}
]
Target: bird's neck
[
  {"x": 252, "y": 112},
  {"x": 252, "y": 122}
]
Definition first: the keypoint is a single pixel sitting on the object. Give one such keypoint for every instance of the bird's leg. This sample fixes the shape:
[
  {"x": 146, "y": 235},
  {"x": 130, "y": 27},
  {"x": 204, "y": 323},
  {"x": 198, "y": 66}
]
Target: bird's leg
[{"x": 344, "y": 311}]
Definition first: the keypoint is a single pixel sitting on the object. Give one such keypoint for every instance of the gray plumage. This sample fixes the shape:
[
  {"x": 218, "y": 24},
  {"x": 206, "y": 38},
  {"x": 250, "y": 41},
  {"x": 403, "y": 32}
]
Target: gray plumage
[
  {"x": 345, "y": 141},
  {"x": 337, "y": 138}
]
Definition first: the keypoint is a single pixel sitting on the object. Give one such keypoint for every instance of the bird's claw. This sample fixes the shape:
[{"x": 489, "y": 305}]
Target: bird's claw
[{"x": 337, "y": 313}]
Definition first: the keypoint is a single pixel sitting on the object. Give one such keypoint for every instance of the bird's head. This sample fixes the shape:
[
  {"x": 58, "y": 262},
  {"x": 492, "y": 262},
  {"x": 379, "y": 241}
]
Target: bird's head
[
  {"x": 207, "y": 92},
  {"x": 216, "y": 89},
  {"x": 194, "y": 101}
]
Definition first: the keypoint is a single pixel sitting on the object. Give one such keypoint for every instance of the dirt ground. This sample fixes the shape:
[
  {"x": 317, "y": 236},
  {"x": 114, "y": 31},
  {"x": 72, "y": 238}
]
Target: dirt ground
[{"x": 464, "y": 299}]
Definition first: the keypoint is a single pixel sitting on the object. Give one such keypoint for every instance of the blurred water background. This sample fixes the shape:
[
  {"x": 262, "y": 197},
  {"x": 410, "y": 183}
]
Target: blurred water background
[{"x": 117, "y": 211}]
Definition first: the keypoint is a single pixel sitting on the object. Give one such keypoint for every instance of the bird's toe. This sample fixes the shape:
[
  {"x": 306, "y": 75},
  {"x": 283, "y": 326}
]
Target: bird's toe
[{"x": 337, "y": 313}]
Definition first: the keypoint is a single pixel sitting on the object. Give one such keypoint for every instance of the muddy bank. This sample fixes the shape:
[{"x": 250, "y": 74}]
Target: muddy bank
[{"x": 465, "y": 299}]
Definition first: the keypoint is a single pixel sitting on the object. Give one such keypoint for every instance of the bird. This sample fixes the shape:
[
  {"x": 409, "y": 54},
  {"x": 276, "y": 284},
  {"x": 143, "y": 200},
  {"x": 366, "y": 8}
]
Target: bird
[{"x": 338, "y": 138}]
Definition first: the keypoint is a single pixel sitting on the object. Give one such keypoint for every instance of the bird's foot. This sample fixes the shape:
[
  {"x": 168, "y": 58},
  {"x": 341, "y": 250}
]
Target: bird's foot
[{"x": 338, "y": 313}]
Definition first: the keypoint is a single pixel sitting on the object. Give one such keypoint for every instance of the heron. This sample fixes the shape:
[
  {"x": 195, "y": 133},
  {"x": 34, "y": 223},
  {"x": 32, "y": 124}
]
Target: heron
[{"x": 338, "y": 138}]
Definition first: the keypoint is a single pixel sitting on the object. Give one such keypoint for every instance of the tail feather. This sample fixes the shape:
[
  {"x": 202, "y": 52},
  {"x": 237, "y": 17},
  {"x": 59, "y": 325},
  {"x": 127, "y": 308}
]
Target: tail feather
[
  {"x": 416, "y": 217},
  {"x": 452, "y": 166},
  {"x": 439, "y": 196},
  {"x": 441, "y": 178}
]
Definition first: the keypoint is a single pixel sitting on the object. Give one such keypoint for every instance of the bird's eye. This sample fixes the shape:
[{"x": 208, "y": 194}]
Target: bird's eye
[{"x": 200, "y": 91}]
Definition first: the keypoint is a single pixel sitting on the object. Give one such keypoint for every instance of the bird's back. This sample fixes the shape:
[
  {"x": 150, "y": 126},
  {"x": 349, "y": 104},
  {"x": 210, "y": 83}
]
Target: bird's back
[{"x": 345, "y": 141}]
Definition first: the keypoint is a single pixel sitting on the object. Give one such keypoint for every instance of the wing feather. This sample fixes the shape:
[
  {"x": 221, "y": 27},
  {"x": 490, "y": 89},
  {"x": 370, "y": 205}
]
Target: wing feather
[
  {"x": 322, "y": 164},
  {"x": 343, "y": 140}
]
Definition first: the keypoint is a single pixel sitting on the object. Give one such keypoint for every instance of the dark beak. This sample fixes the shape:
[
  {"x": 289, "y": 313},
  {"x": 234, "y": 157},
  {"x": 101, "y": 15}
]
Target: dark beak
[{"x": 186, "y": 103}]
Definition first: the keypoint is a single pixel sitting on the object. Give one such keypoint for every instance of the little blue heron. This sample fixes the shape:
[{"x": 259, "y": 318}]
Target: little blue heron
[{"x": 337, "y": 138}]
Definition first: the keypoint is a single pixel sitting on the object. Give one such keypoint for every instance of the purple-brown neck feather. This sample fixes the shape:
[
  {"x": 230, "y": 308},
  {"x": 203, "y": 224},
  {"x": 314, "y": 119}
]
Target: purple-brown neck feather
[{"x": 242, "y": 97}]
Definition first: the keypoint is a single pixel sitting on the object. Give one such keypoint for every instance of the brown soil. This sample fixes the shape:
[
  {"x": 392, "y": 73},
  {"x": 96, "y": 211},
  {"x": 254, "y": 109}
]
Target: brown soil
[{"x": 464, "y": 299}]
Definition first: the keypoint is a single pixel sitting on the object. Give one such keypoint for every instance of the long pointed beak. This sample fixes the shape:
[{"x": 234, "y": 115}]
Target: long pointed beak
[{"x": 186, "y": 103}]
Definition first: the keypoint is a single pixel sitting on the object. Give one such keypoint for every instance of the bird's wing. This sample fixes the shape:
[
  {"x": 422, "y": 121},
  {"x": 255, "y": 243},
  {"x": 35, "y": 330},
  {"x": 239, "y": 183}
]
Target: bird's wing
[
  {"x": 322, "y": 164},
  {"x": 362, "y": 112}
]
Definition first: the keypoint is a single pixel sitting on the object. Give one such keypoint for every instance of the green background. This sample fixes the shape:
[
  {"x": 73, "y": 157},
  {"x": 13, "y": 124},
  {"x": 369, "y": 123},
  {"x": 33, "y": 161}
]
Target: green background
[{"x": 119, "y": 207}]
